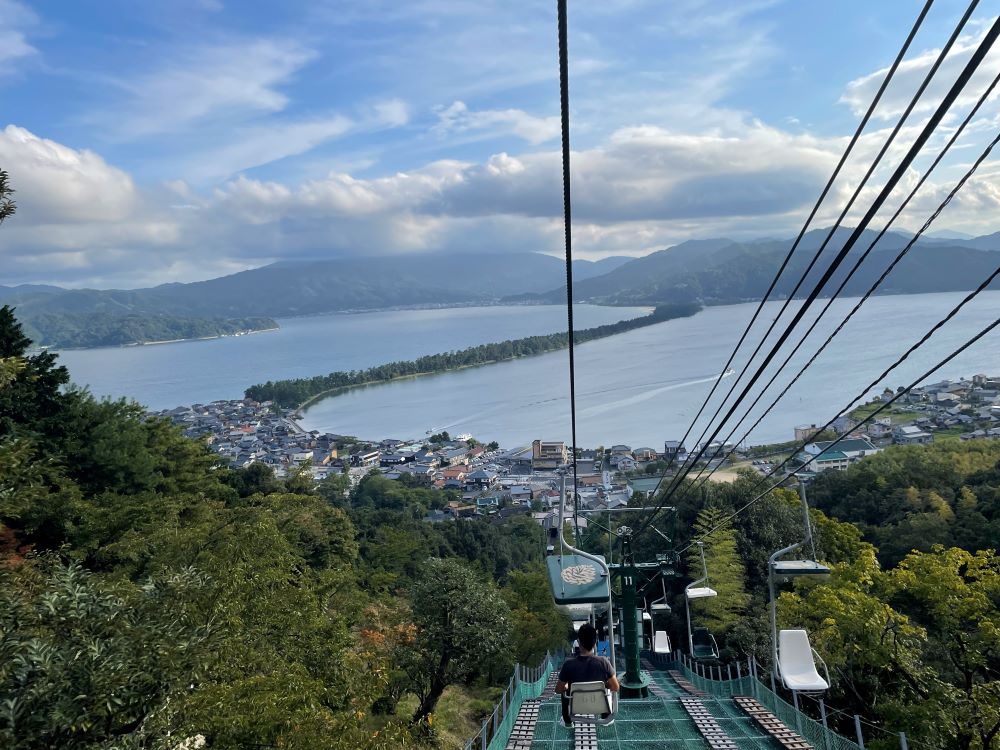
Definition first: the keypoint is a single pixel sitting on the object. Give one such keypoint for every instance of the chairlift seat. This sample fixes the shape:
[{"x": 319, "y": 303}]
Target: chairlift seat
[
  {"x": 700, "y": 592},
  {"x": 590, "y": 703},
  {"x": 659, "y": 607},
  {"x": 703, "y": 645},
  {"x": 796, "y": 663},
  {"x": 661, "y": 642},
  {"x": 799, "y": 568},
  {"x": 575, "y": 579}
]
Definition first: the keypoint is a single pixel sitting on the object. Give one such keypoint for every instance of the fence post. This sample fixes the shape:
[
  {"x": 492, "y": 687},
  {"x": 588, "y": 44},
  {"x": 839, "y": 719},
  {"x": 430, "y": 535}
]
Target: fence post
[
  {"x": 857, "y": 731},
  {"x": 483, "y": 736},
  {"x": 739, "y": 673},
  {"x": 902, "y": 741},
  {"x": 798, "y": 711},
  {"x": 826, "y": 728}
]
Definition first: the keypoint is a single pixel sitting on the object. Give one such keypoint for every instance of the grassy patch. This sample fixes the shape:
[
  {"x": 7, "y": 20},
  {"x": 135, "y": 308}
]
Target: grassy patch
[
  {"x": 459, "y": 713},
  {"x": 904, "y": 417},
  {"x": 951, "y": 433},
  {"x": 865, "y": 410}
]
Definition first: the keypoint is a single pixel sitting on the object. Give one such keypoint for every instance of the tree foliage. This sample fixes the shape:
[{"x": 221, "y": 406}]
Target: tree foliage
[
  {"x": 912, "y": 497},
  {"x": 726, "y": 573},
  {"x": 7, "y": 206},
  {"x": 462, "y": 623}
]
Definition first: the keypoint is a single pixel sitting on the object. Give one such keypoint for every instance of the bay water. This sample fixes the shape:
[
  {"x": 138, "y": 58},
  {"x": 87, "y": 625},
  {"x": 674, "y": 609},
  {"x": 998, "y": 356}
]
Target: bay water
[{"x": 638, "y": 388}]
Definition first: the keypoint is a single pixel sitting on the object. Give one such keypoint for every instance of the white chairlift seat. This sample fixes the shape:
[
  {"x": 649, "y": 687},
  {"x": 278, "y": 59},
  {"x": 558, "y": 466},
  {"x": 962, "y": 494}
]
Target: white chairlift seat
[
  {"x": 797, "y": 663},
  {"x": 590, "y": 703},
  {"x": 700, "y": 592},
  {"x": 661, "y": 642},
  {"x": 659, "y": 607}
]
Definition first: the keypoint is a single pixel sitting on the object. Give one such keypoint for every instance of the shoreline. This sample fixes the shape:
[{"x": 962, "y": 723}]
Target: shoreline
[
  {"x": 271, "y": 391},
  {"x": 136, "y": 344}
]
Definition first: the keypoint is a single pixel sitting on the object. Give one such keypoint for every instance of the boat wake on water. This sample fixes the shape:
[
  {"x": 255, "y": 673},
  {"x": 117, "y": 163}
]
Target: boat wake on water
[{"x": 646, "y": 395}]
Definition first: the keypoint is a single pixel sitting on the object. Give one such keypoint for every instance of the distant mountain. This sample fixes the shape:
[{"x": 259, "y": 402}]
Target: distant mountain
[
  {"x": 949, "y": 234},
  {"x": 707, "y": 272},
  {"x": 986, "y": 242},
  {"x": 300, "y": 288},
  {"x": 723, "y": 271},
  {"x": 18, "y": 292}
]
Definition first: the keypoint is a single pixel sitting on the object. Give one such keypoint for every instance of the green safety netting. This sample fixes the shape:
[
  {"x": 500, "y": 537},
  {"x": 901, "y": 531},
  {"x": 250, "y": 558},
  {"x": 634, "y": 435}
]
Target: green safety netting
[
  {"x": 811, "y": 730},
  {"x": 653, "y": 722},
  {"x": 527, "y": 684}
]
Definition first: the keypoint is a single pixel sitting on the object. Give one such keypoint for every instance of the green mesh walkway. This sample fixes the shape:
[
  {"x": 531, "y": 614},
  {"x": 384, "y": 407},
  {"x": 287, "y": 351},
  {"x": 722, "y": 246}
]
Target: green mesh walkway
[{"x": 652, "y": 722}]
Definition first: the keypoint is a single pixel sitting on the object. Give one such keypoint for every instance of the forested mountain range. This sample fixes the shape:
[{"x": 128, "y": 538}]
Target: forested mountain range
[
  {"x": 219, "y": 306},
  {"x": 721, "y": 271},
  {"x": 303, "y": 288},
  {"x": 708, "y": 271}
]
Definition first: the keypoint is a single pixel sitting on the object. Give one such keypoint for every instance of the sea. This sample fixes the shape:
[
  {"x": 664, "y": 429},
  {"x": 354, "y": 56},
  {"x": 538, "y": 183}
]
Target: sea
[{"x": 639, "y": 388}]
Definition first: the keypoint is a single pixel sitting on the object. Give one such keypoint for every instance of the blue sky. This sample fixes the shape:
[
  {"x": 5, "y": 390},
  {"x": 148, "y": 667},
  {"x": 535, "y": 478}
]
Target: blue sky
[{"x": 181, "y": 139}]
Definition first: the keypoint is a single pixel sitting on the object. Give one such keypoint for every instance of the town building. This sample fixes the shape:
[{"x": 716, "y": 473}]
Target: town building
[{"x": 547, "y": 456}]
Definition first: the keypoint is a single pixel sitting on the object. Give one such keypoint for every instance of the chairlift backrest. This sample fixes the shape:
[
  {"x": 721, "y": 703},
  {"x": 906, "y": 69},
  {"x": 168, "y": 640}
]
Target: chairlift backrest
[
  {"x": 796, "y": 664},
  {"x": 703, "y": 645},
  {"x": 661, "y": 642},
  {"x": 589, "y": 700}
]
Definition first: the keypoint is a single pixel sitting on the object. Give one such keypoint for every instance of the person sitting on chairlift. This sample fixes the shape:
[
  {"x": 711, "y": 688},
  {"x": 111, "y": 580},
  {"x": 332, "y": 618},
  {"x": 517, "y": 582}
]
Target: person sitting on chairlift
[{"x": 585, "y": 667}]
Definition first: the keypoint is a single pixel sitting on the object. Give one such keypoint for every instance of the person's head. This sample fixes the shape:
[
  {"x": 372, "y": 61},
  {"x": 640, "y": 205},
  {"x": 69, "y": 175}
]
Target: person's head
[{"x": 587, "y": 635}]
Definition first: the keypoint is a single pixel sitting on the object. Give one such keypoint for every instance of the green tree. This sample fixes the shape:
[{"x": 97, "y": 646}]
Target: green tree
[
  {"x": 255, "y": 479},
  {"x": 87, "y": 665},
  {"x": 955, "y": 595},
  {"x": 537, "y": 626},
  {"x": 7, "y": 205},
  {"x": 872, "y": 649},
  {"x": 33, "y": 400},
  {"x": 726, "y": 573},
  {"x": 461, "y": 624}
]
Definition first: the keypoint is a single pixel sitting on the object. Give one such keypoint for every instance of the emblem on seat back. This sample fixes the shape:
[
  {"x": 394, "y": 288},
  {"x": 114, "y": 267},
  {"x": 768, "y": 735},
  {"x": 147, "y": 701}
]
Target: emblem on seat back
[{"x": 579, "y": 574}]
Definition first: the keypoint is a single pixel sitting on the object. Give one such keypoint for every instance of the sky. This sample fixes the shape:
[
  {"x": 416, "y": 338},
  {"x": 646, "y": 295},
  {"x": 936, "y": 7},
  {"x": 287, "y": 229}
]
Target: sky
[{"x": 177, "y": 140}]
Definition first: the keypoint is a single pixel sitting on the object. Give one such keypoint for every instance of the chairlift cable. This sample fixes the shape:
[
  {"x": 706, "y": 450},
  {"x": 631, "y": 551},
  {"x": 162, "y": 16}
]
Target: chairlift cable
[
  {"x": 968, "y": 70},
  {"x": 867, "y": 419},
  {"x": 836, "y": 172},
  {"x": 902, "y": 253},
  {"x": 568, "y": 231},
  {"x": 688, "y": 467}
]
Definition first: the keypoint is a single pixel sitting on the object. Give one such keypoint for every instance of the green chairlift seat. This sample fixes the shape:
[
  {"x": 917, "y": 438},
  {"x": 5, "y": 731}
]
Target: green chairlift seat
[{"x": 703, "y": 645}]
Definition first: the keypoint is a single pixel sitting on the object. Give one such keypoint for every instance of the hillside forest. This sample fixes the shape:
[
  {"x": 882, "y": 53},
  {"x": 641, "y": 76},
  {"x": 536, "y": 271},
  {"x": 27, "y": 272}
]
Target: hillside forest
[{"x": 150, "y": 598}]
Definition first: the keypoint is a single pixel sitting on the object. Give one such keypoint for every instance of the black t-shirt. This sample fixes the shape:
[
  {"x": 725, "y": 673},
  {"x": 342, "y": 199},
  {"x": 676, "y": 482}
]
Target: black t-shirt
[{"x": 586, "y": 669}]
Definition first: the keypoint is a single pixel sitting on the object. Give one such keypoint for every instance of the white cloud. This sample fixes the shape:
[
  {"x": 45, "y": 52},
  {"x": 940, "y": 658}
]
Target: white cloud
[
  {"x": 206, "y": 82},
  {"x": 391, "y": 113},
  {"x": 859, "y": 93},
  {"x": 84, "y": 221},
  {"x": 458, "y": 118},
  {"x": 15, "y": 20},
  {"x": 252, "y": 147},
  {"x": 59, "y": 184}
]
